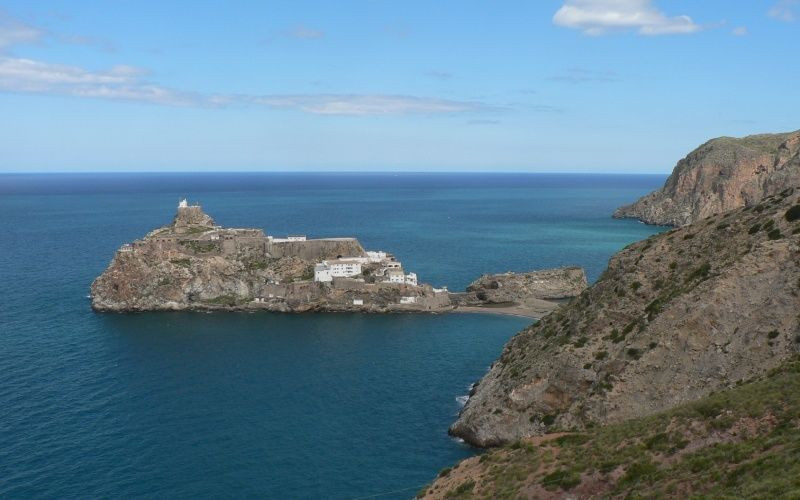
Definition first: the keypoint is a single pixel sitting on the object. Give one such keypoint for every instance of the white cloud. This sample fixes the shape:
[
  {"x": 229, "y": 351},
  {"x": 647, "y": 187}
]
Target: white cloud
[
  {"x": 598, "y": 17},
  {"x": 126, "y": 83},
  {"x": 123, "y": 82},
  {"x": 740, "y": 31},
  {"x": 358, "y": 104},
  {"x": 120, "y": 82},
  {"x": 784, "y": 10},
  {"x": 14, "y": 32}
]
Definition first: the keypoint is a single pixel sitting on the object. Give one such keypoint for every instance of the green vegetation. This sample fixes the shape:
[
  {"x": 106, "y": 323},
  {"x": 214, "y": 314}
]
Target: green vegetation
[
  {"x": 754, "y": 228},
  {"x": 793, "y": 213},
  {"x": 462, "y": 489},
  {"x": 200, "y": 246},
  {"x": 198, "y": 230},
  {"x": 742, "y": 442},
  {"x": 635, "y": 286},
  {"x": 775, "y": 234},
  {"x": 256, "y": 265},
  {"x": 181, "y": 262}
]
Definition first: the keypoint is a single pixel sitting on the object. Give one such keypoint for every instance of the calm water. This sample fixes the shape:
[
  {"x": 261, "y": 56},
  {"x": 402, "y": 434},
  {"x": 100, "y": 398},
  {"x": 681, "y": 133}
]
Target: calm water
[{"x": 220, "y": 405}]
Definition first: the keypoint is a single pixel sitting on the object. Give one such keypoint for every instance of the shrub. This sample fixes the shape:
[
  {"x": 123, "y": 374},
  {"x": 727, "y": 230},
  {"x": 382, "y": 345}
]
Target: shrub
[
  {"x": 562, "y": 478},
  {"x": 793, "y": 214},
  {"x": 634, "y": 353},
  {"x": 723, "y": 226},
  {"x": 775, "y": 234},
  {"x": 635, "y": 285},
  {"x": 600, "y": 355},
  {"x": 754, "y": 228},
  {"x": 673, "y": 265},
  {"x": 773, "y": 334},
  {"x": 572, "y": 439},
  {"x": 462, "y": 489},
  {"x": 688, "y": 236},
  {"x": 444, "y": 472},
  {"x": 549, "y": 419},
  {"x": 638, "y": 471}
]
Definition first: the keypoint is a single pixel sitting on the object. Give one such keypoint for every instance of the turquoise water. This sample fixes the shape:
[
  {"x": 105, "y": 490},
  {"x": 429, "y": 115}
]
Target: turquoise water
[{"x": 267, "y": 405}]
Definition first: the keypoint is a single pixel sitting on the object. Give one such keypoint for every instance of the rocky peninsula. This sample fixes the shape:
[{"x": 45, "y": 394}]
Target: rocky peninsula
[
  {"x": 195, "y": 264},
  {"x": 721, "y": 175}
]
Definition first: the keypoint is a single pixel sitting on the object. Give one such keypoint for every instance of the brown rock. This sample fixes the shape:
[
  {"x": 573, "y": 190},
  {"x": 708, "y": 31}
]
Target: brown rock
[{"x": 721, "y": 175}]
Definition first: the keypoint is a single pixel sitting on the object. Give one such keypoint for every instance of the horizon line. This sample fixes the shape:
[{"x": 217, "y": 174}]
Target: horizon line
[{"x": 395, "y": 172}]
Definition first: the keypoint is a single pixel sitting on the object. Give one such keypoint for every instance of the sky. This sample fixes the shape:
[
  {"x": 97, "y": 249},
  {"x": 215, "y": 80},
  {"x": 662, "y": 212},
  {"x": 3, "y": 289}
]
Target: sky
[{"x": 363, "y": 85}]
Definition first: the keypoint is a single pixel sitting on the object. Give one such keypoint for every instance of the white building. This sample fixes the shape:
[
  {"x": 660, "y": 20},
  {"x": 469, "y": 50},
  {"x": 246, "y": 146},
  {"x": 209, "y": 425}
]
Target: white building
[
  {"x": 339, "y": 268},
  {"x": 411, "y": 279},
  {"x": 395, "y": 276},
  {"x": 322, "y": 272},
  {"x": 375, "y": 257},
  {"x": 393, "y": 264},
  {"x": 408, "y": 300},
  {"x": 296, "y": 237},
  {"x": 358, "y": 302}
]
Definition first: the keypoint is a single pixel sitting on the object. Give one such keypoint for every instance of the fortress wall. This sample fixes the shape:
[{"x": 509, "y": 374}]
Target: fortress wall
[
  {"x": 348, "y": 284},
  {"x": 317, "y": 250}
]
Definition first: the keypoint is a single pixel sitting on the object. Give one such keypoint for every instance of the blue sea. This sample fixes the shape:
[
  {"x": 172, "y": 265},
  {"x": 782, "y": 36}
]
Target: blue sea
[{"x": 265, "y": 405}]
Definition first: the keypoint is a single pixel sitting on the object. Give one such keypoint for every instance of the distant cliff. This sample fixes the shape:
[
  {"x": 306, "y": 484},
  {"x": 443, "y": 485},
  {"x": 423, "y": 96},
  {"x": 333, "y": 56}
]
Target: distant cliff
[
  {"x": 673, "y": 318},
  {"x": 193, "y": 264},
  {"x": 721, "y": 175}
]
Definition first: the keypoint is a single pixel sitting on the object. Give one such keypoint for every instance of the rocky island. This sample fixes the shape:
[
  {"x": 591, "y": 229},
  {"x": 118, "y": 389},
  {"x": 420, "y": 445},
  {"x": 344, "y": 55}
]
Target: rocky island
[
  {"x": 723, "y": 174},
  {"x": 195, "y": 264}
]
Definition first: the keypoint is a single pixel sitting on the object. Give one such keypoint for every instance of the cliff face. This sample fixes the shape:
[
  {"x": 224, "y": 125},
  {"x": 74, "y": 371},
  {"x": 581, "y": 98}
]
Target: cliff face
[
  {"x": 548, "y": 284},
  {"x": 673, "y": 318},
  {"x": 721, "y": 175},
  {"x": 193, "y": 264}
]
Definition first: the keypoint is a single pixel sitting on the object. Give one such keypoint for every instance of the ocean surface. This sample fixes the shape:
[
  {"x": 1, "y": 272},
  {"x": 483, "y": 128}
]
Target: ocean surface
[{"x": 265, "y": 405}]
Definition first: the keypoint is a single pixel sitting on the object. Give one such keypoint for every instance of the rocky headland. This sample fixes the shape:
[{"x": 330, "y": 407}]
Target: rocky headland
[
  {"x": 195, "y": 264},
  {"x": 673, "y": 318},
  {"x": 721, "y": 175}
]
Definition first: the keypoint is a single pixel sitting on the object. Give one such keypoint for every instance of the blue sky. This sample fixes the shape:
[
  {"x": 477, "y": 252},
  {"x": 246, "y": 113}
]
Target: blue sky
[{"x": 544, "y": 85}]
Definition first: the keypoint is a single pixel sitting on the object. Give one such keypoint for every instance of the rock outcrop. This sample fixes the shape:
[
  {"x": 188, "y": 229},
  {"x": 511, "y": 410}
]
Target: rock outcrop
[
  {"x": 721, "y": 175},
  {"x": 547, "y": 284},
  {"x": 673, "y": 318},
  {"x": 193, "y": 264}
]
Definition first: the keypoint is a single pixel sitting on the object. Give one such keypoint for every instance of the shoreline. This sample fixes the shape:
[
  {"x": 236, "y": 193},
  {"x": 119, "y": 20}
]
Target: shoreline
[{"x": 517, "y": 311}]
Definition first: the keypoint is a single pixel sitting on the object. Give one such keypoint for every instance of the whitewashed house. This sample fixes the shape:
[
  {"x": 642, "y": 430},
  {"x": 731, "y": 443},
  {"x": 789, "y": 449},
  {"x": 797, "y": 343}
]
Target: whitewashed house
[
  {"x": 339, "y": 268},
  {"x": 411, "y": 279},
  {"x": 322, "y": 273},
  {"x": 395, "y": 276}
]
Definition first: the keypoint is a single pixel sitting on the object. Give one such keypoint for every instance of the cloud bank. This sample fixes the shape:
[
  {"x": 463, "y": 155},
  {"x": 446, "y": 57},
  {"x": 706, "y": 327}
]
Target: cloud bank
[
  {"x": 129, "y": 83},
  {"x": 599, "y": 17}
]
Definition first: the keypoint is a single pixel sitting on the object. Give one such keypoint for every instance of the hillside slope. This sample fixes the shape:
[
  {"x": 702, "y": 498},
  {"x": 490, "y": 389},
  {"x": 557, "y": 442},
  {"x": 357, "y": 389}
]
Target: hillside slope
[
  {"x": 721, "y": 175},
  {"x": 742, "y": 442},
  {"x": 673, "y": 318}
]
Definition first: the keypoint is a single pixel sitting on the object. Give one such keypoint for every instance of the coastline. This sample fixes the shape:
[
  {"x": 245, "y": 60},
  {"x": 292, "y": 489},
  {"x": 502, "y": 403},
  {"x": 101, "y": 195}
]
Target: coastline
[{"x": 532, "y": 311}]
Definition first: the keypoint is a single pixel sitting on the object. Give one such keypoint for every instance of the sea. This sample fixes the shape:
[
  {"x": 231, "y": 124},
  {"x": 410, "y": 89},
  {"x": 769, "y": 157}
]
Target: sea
[{"x": 267, "y": 405}]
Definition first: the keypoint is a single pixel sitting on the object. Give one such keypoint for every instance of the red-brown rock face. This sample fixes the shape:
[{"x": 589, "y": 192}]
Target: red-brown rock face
[{"x": 723, "y": 174}]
